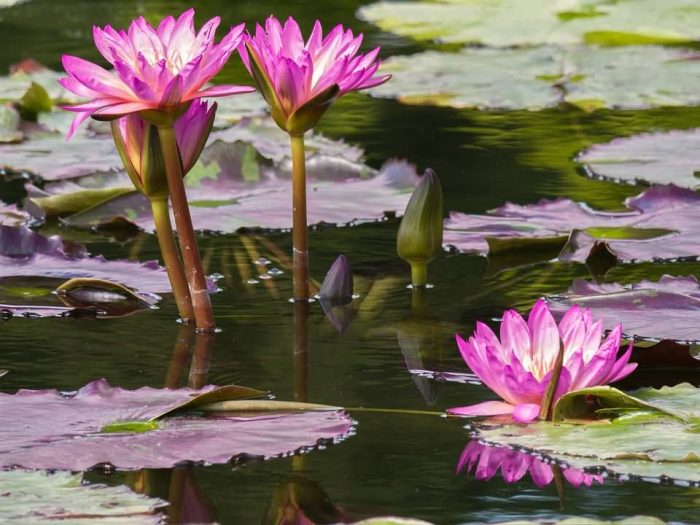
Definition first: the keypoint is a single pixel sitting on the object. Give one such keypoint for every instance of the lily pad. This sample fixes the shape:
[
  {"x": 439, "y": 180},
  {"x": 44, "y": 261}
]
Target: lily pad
[
  {"x": 486, "y": 461},
  {"x": 32, "y": 496},
  {"x": 516, "y": 23},
  {"x": 14, "y": 86},
  {"x": 243, "y": 180},
  {"x": 653, "y": 158},
  {"x": 666, "y": 309},
  {"x": 33, "y": 266},
  {"x": 590, "y": 78},
  {"x": 642, "y": 442},
  {"x": 50, "y": 157},
  {"x": 50, "y": 430},
  {"x": 660, "y": 226}
]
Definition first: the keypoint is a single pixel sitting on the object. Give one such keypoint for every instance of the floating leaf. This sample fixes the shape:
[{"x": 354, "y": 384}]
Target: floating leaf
[
  {"x": 534, "y": 78},
  {"x": 514, "y": 23},
  {"x": 35, "y": 496},
  {"x": 654, "y": 158},
  {"x": 10, "y": 131},
  {"x": 49, "y": 430},
  {"x": 227, "y": 193},
  {"x": 106, "y": 295},
  {"x": 29, "y": 72},
  {"x": 648, "y": 310},
  {"x": 641, "y": 442},
  {"x": 661, "y": 226},
  {"x": 391, "y": 520},
  {"x": 579, "y": 520},
  {"x": 33, "y": 266},
  {"x": 50, "y": 157}
]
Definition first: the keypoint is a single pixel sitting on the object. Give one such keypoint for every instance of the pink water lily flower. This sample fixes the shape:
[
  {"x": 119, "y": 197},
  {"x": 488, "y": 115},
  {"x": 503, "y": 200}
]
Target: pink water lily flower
[
  {"x": 159, "y": 68},
  {"x": 518, "y": 367},
  {"x": 486, "y": 461},
  {"x": 142, "y": 158},
  {"x": 298, "y": 79}
]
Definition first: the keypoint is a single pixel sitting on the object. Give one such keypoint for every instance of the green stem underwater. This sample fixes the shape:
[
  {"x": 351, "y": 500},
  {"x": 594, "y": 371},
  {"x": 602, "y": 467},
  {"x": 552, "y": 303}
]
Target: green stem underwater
[
  {"x": 171, "y": 257},
  {"x": 188, "y": 241},
  {"x": 300, "y": 250}
]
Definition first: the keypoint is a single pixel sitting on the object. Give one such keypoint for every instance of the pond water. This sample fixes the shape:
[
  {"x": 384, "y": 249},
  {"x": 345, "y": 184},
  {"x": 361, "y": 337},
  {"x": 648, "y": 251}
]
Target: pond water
[{"x": 396, "y": 463}]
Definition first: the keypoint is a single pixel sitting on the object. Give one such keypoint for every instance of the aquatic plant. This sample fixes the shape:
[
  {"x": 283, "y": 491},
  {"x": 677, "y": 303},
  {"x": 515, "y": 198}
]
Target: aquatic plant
[
  {"x": 299, "y": 81},
  {"x": 336, "y": 293},
  {"x": 522, "y": 366},
  {"x": 139, "y": 148},
  {"x": 158, "y": 72},
  {"x": 420, "y": 234}
]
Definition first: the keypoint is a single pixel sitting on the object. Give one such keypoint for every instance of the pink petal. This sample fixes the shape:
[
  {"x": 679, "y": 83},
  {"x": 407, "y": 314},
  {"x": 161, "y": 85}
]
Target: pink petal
[
  {"x": 545, "y": 338},
  {"x": 515, "y": 335},
  {"x": 526, "y": 412},
  {"x": 224, "y": 90},
  {"x": 487, "y": 408},
  {"x": 541, "y": 473}
]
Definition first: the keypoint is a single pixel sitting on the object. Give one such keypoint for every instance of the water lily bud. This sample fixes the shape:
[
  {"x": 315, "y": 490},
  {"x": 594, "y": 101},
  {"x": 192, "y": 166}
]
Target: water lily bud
[
  {"x": 139, "y": 146},
  {"x": 337, "y": 287},
  {"x": 420, "y": 233},
  {"x": 335, "y": 294}
]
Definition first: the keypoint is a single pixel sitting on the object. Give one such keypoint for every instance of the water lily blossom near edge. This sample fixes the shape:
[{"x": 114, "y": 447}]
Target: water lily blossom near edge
[
  {"x": 300, "y": 80},
  {"x": 160, "y": 69},
  {"x": 520, "y": 365}
]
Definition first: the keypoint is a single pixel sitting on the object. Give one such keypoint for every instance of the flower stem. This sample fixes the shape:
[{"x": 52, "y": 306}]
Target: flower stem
[
  {"x": 300, "y": 241},
  {"x": 171, "y": 257},
  {"x": 548, "y": 400},
  {"x": 419, "y": 274},
  {"x": 188, "y": 241}
]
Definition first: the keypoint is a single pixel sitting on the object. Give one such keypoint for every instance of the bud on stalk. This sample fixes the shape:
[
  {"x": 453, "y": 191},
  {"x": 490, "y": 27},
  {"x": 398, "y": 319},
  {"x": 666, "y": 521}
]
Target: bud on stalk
[{"x": 420, "y": 234}]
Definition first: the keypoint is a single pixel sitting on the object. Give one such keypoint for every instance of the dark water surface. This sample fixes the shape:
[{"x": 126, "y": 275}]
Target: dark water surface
[{"x": 395, "y": 463}]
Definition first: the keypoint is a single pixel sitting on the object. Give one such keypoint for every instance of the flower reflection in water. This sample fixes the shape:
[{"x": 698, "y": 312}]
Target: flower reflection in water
[{"x": 486, "y": 461}]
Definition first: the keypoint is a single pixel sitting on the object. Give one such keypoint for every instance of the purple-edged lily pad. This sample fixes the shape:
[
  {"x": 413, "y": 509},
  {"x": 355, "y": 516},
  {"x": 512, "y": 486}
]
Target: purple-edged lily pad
[
  {"x": 671, "y": 157},
  {"x": 649, "y": 435},
  {"x": 33, "y": 266},
  {"x": 50, "y": 430},
  {"x": 243, "y": 180},
  {"x": 649, "y": 310},
  {"x": 661, "y": 225}
]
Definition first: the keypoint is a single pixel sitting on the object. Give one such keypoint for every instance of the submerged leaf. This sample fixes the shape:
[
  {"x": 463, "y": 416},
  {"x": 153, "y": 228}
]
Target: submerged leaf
[
  {"x": 654, "y": 158},
  {"x": 49, "y": 430},
  {"x": 589, "y": 78},
  {"x": 660, "y": 226}
]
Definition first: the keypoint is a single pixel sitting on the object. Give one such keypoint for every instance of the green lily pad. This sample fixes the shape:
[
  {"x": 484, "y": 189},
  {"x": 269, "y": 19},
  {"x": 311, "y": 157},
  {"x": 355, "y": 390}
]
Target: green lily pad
[
  {"x": 38, "y": 496},
  {"x": 654, "y": 158},
  {"x": 10, "y": 131},
  {"x": 242, "y": 180},
  {"x": 17, "y": 85},
  {"x": 578, "y": 520},
  {"x": 504, "y": 23},
  {"x": 590, "y": 78},
  {"x": 654, "y": 433}
]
